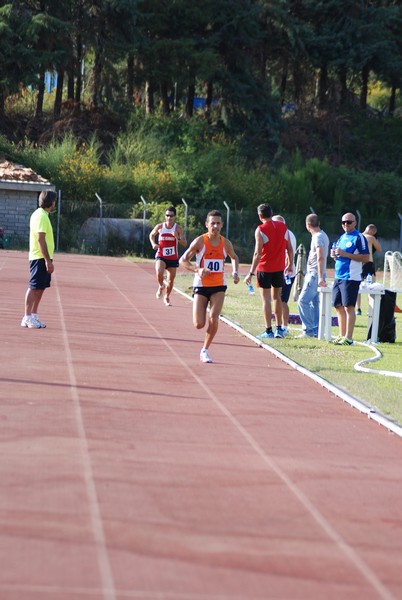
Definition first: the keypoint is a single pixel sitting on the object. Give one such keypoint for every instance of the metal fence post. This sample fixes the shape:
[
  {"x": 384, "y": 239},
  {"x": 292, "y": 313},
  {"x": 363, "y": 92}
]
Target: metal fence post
[
  {"x": 227, "y": 217},
  {"x": 186, "y": 216},
  {"x": 359, "y": 218},
  {"x": 58, "y": 219},
  {"x": 100, "y": 220},
  {"x": 144, "y": 216}
]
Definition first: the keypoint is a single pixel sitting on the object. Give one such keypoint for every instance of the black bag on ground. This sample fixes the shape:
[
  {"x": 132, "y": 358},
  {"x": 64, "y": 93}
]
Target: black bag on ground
[{"x": 387, "y": 324}]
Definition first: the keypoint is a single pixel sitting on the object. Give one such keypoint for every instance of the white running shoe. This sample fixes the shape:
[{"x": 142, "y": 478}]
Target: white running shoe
[
  {"x": 159, "y": 293},
  {"x": 35, "y": 317},
  {"x": 28, "y": 321},
  {"x": 204, "y": 356},
  {"x": 167, "y": 302},
  {"x": 25, "y": 319}
]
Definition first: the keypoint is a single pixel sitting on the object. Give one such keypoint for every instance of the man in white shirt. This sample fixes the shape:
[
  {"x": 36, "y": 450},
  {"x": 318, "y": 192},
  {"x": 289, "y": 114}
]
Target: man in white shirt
[{"x": 308, "y": 301}]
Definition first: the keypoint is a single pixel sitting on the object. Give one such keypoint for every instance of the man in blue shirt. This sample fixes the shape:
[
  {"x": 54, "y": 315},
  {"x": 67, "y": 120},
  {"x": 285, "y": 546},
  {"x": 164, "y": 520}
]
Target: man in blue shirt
[{"x": 350, "y": 253}]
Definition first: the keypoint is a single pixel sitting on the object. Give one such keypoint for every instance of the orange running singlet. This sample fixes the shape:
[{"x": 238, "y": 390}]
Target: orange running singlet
[{"x": 213, "y": 258}]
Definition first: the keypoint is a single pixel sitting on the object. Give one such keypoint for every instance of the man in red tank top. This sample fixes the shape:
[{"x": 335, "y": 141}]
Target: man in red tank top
[
  {"x": 209, "y": 285},
  {"x": 272, "y": 240},
  {"x": 170, "y": 234}
]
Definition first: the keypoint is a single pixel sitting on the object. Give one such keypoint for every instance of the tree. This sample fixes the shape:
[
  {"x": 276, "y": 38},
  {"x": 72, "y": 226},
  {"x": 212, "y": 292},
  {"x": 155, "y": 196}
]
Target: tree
[{"x": 16, "y": 62}]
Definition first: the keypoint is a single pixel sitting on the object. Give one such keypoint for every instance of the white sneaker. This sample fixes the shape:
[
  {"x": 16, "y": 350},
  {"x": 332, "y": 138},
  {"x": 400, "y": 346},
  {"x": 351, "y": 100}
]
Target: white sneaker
[
  {"x": 159, "y": 293},
  {"x": 28, "y": 321},
  {"x": 35, "y": 316},
  {"x": 204, "y": 356},
  {"x": 25, "y": 320}
]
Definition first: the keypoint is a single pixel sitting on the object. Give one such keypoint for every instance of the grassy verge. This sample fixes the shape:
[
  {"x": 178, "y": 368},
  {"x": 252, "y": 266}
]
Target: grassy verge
[{"x": 333, "y": 363}]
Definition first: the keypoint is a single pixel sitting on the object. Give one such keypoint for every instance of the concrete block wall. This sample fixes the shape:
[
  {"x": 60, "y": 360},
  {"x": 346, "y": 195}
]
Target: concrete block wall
[{"x": 17, "y": 203}]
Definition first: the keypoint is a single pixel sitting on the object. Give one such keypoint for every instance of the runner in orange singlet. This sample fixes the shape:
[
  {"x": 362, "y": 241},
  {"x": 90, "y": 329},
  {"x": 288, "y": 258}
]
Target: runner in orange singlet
[
  {"x": 210, "y": 250},
  {"x": 170, "y": 234}
]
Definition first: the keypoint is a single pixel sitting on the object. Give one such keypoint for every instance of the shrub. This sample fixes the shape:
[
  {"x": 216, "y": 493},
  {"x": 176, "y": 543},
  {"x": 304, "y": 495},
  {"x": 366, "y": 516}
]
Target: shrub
[
  {"x": 81, "y": 174},
  {"x": 154, "y": 182}
]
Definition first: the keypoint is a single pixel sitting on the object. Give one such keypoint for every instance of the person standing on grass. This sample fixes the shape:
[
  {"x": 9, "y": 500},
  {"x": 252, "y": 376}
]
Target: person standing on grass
[
  {"x": 287, "y": 287},
  {"x": 374, "y": 245},
  {"x": 272, "y": 241},
  {"x": 350, "y": 253},
  {"x": 170, "y": 234},
  {"x": 41, "y": 249},
  {"x": 308, "y": 302},
  {"x": 209, "y": 286}
]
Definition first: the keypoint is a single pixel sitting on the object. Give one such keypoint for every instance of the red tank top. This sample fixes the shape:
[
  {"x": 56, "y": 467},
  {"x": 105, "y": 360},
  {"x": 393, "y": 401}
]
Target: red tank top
[
  {"x": 273, "y": 257},
  {"x": 167, "y": 243}
]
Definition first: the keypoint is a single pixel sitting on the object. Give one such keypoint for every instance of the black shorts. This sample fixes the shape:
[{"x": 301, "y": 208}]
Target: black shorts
[
  {"x": 344, "y": 293},
  {"x": 39, "y": 277},
  {"x": 170, "y": 264},
  {"x": 268, "y": 280},
  {"x": 209, "y": 291},
  {"x": 368, "y": 269}
]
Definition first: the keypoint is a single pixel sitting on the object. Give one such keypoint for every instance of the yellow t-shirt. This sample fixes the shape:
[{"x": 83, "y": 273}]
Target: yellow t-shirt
[{"x": 40, "y": 223}]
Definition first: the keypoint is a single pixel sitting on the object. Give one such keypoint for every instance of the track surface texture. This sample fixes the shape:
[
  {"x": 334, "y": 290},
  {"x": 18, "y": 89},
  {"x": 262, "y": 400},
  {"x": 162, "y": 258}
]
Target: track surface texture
[{"x": 128, "y": 469}]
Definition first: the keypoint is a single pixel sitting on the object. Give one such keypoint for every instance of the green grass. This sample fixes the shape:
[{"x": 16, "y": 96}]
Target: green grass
[{"x": 333, "y": 363}]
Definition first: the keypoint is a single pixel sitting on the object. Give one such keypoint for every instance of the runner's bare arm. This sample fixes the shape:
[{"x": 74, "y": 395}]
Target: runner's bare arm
[
  {"x": 235, "y": 260},
  {"x": 153, "y": 234},
  {"x": 194, "y": 247}
]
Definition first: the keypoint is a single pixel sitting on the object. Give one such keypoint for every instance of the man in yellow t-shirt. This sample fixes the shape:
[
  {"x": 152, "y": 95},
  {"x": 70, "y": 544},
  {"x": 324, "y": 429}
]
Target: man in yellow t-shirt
[{"x": 41, "y": 249}]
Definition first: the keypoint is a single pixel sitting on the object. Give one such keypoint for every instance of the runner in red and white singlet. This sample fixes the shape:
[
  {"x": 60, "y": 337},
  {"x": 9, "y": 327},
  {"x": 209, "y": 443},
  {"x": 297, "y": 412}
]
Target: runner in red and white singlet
[{"x": 169, "y": 234}]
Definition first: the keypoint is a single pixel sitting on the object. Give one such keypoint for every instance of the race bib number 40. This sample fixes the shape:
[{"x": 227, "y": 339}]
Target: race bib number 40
[{"x": 215, "y": 266}]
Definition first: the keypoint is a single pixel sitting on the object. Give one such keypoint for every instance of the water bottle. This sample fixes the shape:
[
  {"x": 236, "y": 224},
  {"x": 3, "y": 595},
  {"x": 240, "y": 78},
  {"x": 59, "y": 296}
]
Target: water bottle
[
  {"x": 369, "y": 280},
  {"x": 250, "y": 289},
  {"x": 288, "y": 280},
  {"x": 334, "y": 249}
]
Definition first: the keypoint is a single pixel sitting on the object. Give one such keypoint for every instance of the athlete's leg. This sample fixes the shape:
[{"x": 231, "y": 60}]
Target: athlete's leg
[
  {"x": 277, "y": 302},
  {"x": 350, "y": 321},
  {"x": 160, "y": 268},
  {"x": 215, "y": 308},
  {"x": 200, "y": 304},
  {"x": 340, "y": 311},
  {"x": 171, "y": 274},
  {"x": 160, "y": 272},
  {"x": 266, "y": 306},
  {"x": 32, "y": 299}
]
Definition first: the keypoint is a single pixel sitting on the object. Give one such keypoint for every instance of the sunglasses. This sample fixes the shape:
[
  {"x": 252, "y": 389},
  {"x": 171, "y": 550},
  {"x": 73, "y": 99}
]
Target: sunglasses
[
  {"x": 170, "y": 216},
  {"x": 347, "y": 222}
]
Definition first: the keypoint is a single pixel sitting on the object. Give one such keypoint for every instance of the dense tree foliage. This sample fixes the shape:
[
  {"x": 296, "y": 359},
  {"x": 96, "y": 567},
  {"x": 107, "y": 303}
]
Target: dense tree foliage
[{"x": 249, "y": 56}]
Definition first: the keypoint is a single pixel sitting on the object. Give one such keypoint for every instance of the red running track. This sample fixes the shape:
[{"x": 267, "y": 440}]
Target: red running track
[{"x": 130, "y": 470}]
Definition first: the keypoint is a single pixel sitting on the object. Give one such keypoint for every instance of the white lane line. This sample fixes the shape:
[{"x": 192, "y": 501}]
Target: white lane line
[
  {"x": 354, "y": 402},
  {"x": 54, "y": 591},
  {"x": 319, "y": 518},
  {"x": 107, "y": 582}
]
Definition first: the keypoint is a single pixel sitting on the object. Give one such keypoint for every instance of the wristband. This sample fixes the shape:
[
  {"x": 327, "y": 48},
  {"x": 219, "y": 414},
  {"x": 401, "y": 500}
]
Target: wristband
[{"x": 251, "y": 274}]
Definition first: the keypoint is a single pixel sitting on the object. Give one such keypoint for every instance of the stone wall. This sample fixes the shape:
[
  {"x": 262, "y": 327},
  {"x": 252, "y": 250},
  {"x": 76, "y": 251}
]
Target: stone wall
[{"x": 17, "y": 203}]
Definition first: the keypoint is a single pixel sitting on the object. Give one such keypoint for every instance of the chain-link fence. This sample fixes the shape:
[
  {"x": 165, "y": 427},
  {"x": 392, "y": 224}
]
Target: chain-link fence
[{"x": 116, "y": 229}]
